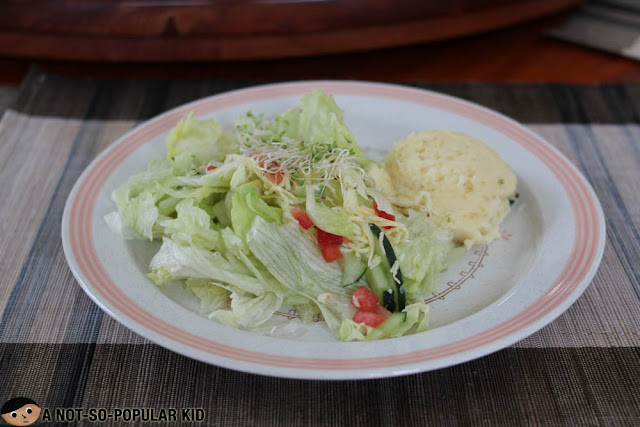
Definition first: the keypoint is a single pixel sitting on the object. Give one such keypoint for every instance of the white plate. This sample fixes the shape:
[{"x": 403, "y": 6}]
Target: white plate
[{"x": 551, "y": 244}]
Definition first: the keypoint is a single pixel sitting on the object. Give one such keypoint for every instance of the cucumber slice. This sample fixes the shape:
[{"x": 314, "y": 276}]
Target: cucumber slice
[
  {"x": 379, "y": 282},
  {"x": 353, "y": 270},
  {"x": 389, "y": 256},
  {"x": 389, "y": 327}
]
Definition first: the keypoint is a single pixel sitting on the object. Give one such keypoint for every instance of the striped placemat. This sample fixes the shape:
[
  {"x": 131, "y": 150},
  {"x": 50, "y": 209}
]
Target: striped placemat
[{"x": 59, "y": 349}]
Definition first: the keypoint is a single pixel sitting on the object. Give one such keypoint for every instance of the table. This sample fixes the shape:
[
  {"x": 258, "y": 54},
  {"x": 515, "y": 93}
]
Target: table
[
  {"x": 518, "y": 54},
  {"x": 59, "y": 349}
]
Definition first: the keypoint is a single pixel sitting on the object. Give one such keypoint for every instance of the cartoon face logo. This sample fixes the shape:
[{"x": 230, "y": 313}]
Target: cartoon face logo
[{"x": 20, "y": 411}]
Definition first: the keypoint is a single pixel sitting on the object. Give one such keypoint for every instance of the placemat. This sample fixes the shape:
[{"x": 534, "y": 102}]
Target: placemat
[{"x": 59, "y": 349}]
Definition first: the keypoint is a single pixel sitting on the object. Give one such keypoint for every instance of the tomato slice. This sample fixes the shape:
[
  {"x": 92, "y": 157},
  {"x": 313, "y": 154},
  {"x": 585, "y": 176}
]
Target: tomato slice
[
  {"x": 302, "y": 217},
  {"x": 368, "y": 318},
  {"x": 330, "y": 252},
  {"x": 210, "y": 168},
  {"x": 364, "y": 299},
  {"x": 328, "y": 238}
]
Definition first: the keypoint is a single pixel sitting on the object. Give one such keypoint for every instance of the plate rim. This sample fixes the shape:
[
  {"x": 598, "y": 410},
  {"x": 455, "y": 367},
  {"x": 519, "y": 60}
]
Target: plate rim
[{"x": 89, "y": 275}]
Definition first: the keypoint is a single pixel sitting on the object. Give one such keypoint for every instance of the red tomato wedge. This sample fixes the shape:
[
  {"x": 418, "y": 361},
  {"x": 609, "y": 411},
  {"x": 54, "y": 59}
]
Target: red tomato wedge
[
  {"x": 210, "y": 168},
  {"x": 368, "y": 318},
  {"x": 330, "y": 252},
  {"x": 383, "y": 214},
  {"x": 328, "y": 238},
  {"x": 302, "y": 217},
  {"x": 364, "y": 299}
]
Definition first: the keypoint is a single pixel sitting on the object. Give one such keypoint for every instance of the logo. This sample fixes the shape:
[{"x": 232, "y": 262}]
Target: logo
[{"x": 20, "y": 411}]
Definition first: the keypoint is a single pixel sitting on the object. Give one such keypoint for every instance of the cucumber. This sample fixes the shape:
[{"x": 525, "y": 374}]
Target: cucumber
[
  {"x": 353, "y": 269},
  {"x": 388, "y": 259},
  {"x": 387, "y": 328},
  {"x": 379, "y": 280}
]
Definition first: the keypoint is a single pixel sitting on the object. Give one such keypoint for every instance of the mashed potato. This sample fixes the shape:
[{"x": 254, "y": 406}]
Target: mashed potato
[{"x": 462, "y": 183}]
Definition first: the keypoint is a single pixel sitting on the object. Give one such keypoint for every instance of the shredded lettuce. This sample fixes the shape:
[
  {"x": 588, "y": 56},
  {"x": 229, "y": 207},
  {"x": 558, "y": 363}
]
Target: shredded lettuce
[
  {"x": 330, "y": 220},
  {"x": 298, "y": 265},
  {"x": 317, "y": 119},
  {"x": 428, "y": 252},
  {"x": 246, "y": 205},
  {"x": 220, "y": 203},
  {"x": 141, "y": 214},
  {"x": 212, "y": 296},
  {"x": 297, "y": 262},
  {"x": 248, "y": 311},
  {"x": 192, "y": 227},
  {"x": 174, "y": 261},
  {"x": 199, "y": 141}
]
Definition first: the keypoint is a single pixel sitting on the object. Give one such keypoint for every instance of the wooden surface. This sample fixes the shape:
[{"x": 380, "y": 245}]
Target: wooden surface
[
  {"x": 197, "y": 18},
  {"x": 518, "y": 54},
  {"x": 200, "y": 30}
]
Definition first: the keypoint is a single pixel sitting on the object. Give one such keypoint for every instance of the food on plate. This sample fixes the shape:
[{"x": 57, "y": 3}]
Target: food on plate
[
  {"x": 461, "y": 182},
  {"x": 280, "y": 213}
]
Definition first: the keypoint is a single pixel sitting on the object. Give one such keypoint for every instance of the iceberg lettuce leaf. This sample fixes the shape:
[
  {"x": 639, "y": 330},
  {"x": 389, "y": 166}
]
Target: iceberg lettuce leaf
[
  {"x": 424, "y": 255},
  {"x": 192, "y": 227},
  {"x": 140, "y": 214},
  {"x": 298, "y": 265},
  {"x": 329, "y": 220},
  {"x": 212, "y": 297},
  {"x": 248, "y": 311},
  {"x": 317, "y": 119},
  {"x": 201, "y": 141},
  {"x": 174, "y": 261},
  {"x": 246, "y": 205}
]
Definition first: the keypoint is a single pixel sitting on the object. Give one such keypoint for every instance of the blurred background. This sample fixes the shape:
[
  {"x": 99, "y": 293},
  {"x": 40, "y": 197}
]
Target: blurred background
[{"x": 431, "y": 40}]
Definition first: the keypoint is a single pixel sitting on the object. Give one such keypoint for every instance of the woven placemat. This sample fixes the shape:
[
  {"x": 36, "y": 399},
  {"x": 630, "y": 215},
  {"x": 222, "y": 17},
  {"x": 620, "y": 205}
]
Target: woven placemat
[{"x": 59, "y": 349}]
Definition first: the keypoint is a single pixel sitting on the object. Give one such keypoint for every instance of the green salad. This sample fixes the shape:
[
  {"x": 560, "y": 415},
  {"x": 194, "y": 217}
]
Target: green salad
[{"x": 277, "y": 214}]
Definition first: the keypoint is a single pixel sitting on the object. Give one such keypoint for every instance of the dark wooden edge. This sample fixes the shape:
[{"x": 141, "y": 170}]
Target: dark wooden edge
[{"x": 182, "y": 49}]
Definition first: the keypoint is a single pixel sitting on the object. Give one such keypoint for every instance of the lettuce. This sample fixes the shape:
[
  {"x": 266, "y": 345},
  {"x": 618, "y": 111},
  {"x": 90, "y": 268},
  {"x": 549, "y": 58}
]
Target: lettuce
[
  {"x": 141, "y": 214},
  {"x": 246, "y": 204},
  {"x": 174, "y": 261},
  {"x": 428, "y": 252},
  {"x": 212, "y": 297},
  {"x": 222, "y": 229},
  {"x": 330, "y": 220},
  {"x": 248, "y": 311},
  {"x": 298, "y": 265},
  {"x": 159, "y": 170},
  {"x": 317, "y": 119},
  {"x": 217, "y": 178},
  {"x": 200, "y": 141},
  {"x": 192, "y": 227}
]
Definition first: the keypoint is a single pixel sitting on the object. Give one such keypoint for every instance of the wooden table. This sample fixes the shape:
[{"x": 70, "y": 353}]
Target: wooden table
[{"x": 517, "y": 54}]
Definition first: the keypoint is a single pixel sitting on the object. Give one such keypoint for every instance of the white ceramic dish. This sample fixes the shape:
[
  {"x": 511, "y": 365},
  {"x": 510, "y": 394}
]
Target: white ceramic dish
[{"x": 551, "y": 245}]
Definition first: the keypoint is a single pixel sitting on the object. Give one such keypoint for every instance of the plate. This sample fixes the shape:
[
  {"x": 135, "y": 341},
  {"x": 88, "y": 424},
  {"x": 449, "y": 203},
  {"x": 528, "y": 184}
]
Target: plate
[{"x": 549, "y": 250}]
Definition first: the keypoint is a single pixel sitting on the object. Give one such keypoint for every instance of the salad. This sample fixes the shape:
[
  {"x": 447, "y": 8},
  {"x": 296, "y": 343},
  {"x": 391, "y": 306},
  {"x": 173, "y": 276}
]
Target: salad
[{"x": 279, "y": 212}]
